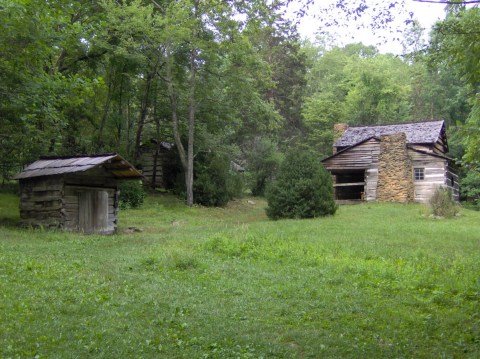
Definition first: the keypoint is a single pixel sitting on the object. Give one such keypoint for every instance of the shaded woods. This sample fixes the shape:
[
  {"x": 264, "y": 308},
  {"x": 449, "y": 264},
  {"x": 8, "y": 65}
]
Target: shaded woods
[{"x": 215, "y": 77}]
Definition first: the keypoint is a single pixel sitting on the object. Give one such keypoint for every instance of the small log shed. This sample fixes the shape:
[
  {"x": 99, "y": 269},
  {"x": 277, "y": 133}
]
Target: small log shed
[
  {"x": 157, "y": 159},
  {"x": 77, "y": 194}
]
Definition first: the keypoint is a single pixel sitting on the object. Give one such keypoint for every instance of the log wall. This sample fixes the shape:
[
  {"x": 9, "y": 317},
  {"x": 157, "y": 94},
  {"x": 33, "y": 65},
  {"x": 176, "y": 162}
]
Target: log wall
[
  {"x": 41, "y": 202},
  {"x": 85, "y": 202},
  {"x": 153, "y": 172},
  {"x": 438, "y": 173},
  {"x": 76, "y": 213},
  {"x": 82, "y": 193},
  {"x": 156, "y": 166},
  {"x": 371, "y": 181},
  {"x": 360, "y": 157},
  {"x": 365, "y": 156},
  {"x": 453, "y": 183}
]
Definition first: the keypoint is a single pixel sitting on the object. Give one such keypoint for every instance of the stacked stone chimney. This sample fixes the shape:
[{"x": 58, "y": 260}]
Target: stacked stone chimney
[
  {"x": 395, "y": 177},
  {"x": 338, "y": 131}
]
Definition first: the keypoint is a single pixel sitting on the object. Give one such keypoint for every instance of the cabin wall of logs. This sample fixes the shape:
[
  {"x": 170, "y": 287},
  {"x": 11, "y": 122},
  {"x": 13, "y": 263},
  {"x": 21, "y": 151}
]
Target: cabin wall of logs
[
  {"x": 76, "y": 193},
  {"x": 85, "y": 202},
  {"x": 157, "y": 162},
  {"x": 381, "y": 169}
]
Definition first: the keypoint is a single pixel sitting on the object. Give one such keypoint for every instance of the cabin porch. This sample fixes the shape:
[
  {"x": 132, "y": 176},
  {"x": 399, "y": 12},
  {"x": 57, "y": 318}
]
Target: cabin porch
[{"x": 349, "y": 186}]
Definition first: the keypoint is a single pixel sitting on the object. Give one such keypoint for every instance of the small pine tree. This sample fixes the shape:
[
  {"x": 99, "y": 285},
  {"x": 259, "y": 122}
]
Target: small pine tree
[
  {"x": 215, "y": 183},
  {"x": 442, "y": 204},
  {"x": 302, "y": 189}
]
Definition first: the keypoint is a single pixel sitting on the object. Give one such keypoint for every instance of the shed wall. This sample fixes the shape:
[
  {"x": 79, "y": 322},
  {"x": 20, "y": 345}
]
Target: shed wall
[
  {"x": 153, "y": 168},
  {"x": 41, "y": 202},
  {"x": 93, "y": 182},
  {"x": 77, "y": 211}
]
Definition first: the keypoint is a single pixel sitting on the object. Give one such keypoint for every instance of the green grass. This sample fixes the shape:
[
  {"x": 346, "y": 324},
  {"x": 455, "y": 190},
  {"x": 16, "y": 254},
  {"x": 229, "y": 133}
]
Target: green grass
[{"x": 372, "y": 281}]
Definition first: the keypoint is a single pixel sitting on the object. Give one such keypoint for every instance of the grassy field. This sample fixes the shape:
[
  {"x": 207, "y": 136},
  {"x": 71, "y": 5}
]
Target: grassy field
[{"x": 373, "y": 281}]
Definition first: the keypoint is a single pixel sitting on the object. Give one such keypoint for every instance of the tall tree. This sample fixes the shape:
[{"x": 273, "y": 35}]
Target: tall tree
[
  {"x": 279, "y": 45},
  {"x": 42, "y": 70},
  {"x": 354, "y": 85},
  {"x": 456, "y": 44}
]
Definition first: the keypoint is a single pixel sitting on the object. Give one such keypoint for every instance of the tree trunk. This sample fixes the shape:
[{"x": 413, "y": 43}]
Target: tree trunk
[
  {"x": 142, "y": 116},
  {"x": 158, "y": 145},
  {"x": 174, "y": 107},
  {"x": 186, "y": 158},
  {"x": 106, "y": 109},
  {"x": 191, "y": 128}
]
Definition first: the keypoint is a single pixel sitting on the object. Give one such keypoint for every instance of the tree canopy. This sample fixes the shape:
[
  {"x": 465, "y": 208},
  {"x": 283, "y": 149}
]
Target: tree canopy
[{"x": 232, "y": 78}]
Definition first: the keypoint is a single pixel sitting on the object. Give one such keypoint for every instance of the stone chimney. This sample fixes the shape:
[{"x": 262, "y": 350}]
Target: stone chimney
[
  {"x": 338, "y": 131},
  {"x": 395, "y": 177}
]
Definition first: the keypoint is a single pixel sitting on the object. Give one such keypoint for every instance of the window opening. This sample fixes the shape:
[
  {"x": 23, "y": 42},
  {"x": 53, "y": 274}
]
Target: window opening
[{"x": 419, "y": 174}]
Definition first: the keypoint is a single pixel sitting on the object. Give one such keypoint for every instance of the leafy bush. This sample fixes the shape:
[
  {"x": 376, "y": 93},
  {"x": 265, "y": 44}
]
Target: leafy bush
[
  {"x": 303, "y": 189},
  {"x": 442, "y": 204},
  {"x": 215, "y": 183},
  {"x": 470, "y": 189},
  {"x": 132, "y": 194},
  {"x": 263, "y": 162}
]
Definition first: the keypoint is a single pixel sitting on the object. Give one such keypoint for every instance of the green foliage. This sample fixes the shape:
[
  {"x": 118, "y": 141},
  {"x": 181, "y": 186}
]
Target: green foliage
[
  {"x": 381, "y": 92},
  {"x": 472, "y": 134},
  {"x": 132, "y": 194},
  {"x": 215, "y": 183},
  {"x": 442, "y": 204},
  {"x": 88, "y": 76},
  {"x": 470, "y": 188},
  {"x": 280, "y": 49},
  {"x": 455, "y": 45},
  {"x": 355, "y": 85},
  {"x": 45, "y": 90},
  {"x": 302, "y": 189},
  {"x": 263, "y": 160},
  {"x": 456, "y": 41}
]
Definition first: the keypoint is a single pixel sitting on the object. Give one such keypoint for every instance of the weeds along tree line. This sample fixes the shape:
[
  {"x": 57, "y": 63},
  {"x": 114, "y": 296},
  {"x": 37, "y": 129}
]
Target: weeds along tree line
[{"x": 223, "y": 81}]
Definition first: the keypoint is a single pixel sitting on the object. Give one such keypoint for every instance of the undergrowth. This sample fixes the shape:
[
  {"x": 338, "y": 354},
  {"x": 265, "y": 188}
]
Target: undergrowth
[{"x": 372, "y": 281}]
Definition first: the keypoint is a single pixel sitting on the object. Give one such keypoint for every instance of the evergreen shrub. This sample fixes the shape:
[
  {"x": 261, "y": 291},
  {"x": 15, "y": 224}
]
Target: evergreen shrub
[
  {"x": 215, "y": 183},
  {"x": 442, "y": 204},
  {"x": 302, "y": 189},
  {"x": 132, "y": 194}
]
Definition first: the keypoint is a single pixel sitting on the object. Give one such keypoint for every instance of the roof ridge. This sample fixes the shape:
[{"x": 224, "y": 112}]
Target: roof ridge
[
  {"x": 395, "y": 124},
  {"x": 77, "y": 156}
]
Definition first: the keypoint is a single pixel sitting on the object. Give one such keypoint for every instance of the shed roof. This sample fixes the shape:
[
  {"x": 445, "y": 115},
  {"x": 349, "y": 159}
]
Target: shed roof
[
  {"x": 418, "y": 132},
  {"x": 52, "y": 166}
]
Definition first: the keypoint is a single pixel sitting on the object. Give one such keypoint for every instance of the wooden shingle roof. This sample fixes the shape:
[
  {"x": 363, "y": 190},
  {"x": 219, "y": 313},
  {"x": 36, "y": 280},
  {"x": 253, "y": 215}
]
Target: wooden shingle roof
[
  {"x": 52, "y": 166},
  {"x": 417, "y": 133}
]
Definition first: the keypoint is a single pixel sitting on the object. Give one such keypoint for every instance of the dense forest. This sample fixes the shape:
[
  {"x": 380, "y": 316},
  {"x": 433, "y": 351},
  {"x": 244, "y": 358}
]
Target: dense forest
[{"x": 223, "y": 81}]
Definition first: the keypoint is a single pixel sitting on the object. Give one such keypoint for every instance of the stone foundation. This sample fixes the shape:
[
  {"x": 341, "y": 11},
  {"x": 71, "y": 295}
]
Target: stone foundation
[{"x": 395, "y": 177}]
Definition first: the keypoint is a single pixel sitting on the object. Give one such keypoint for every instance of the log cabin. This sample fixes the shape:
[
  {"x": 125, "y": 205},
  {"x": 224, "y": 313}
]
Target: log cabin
[
  {"x": 157, "y": 162},
  {"x": 391, "y": 163},
  {"x": 78, "y": 193}
]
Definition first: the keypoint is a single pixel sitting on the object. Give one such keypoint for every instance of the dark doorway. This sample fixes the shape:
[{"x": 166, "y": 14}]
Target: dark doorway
[{"x": 350, "y": 186}]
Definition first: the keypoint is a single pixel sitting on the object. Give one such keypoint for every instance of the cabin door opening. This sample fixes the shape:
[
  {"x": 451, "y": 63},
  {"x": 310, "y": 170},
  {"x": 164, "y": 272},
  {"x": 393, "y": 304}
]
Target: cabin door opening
[
  {"x": 350, "y": 186},
  {"x": 93, "y": 211}
]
